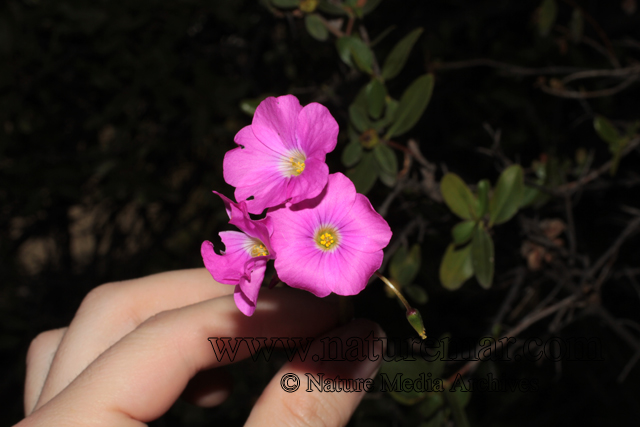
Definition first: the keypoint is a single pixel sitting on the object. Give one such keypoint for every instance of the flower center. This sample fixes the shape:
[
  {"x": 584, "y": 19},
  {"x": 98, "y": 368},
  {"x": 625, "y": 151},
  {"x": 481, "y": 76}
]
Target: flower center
[
  {"x": 297, "y": 166},
  {"x": 327, "y": 238},
  {"x": 293, "y": 165},
  {"x": 259, "y": 250}
]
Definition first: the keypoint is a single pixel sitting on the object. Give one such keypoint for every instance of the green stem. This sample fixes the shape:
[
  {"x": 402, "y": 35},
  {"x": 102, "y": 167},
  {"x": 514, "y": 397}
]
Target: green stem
[{"x": 395, "y": 290}]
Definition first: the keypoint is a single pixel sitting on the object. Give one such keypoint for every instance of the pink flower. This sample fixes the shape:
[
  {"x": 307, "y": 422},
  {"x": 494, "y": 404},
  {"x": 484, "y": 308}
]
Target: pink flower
[
  {"x": 244, "y": 261},
  {"x": 332, "y": 243},
  {"x": 281, "y": 155}
]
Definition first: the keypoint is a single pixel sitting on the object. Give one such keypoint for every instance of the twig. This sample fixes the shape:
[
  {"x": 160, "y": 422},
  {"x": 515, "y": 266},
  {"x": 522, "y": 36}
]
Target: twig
[
  {"x": 571, "y": 187},
  {"x": 598, "y": 29},
  {"x": 618, "y": 72},
  {"x": 524, "y": 324},
  {"x": 573, "y": 94},
  {"x": 615, "y": 325},
  {"x": 613, "y": 249},
  {"x": 333, "y": 30},
  {"x": 510, "y": 68},
  {"x": 571, "y": 231},
  {"x": 384, "y": 207}
]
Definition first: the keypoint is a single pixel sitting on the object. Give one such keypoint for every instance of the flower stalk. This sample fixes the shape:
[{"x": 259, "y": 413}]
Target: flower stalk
[{"x": 413, "y": 315}]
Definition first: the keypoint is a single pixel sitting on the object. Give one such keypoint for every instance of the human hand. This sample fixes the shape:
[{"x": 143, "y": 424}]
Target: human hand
[{"x": 134, "y": 347}]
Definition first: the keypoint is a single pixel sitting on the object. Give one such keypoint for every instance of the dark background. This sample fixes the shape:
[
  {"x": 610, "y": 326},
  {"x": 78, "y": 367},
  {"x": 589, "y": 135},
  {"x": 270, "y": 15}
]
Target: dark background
[{"x": 115, "y": 116}]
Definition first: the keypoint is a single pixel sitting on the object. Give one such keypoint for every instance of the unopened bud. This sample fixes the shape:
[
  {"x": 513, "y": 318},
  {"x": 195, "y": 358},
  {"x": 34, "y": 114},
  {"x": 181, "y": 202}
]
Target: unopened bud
[{"x": 415, "y": 319}]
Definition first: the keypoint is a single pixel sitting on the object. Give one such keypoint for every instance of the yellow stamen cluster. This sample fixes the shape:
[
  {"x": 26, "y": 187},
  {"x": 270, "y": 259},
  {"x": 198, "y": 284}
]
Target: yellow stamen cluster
[
  {"x": 259, "y": 250},
  {"x": 297, "y": 166},
  {"x": 327, "y": 240}
]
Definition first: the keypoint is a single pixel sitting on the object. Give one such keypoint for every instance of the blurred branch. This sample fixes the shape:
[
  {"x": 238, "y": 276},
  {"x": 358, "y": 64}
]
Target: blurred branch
[
  {"x": 572, "y": 94},
  {"x": 509, "y": 68}
]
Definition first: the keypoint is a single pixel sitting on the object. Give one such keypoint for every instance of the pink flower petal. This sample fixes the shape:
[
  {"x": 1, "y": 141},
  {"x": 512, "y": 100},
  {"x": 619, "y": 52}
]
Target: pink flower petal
[
  {"x": 243, "y": 167},
  {"x": 274, "y": 122},
  {"x": 317, "y": 130},
  {"x": 281, "y": 157},
  {"x": 246, "y": 293},
  {"x": 363, "y": 228},
  {"x": 361, "y": 234},
  {"x": 310, "y": 182},
  {"x": 229, "y": 267}
]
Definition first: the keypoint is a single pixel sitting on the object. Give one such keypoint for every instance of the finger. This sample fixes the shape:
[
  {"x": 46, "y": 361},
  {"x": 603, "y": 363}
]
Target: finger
[
  {"x": 209, "y": 388},
  {"x": 39, "y": 358},
  {"x": 111, "y": 311},
  {"x": 324, "y": 405},
  {"x": 141, "y": 376}
]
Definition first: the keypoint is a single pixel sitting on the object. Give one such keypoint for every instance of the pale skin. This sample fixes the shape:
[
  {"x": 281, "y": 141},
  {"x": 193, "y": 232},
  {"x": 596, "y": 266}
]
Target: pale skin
[{"x": 134, "y": 347}]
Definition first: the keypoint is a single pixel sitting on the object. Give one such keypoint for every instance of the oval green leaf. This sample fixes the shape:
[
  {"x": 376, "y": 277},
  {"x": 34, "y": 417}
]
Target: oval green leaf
[
  {"x": 315, "y": 27},
  {"x": 458, "y": 197},
  {"x": 386, "y": 158},
  {"x": 417, "y": 294},
  {"x": 405, "y": 264},
  {"x": 507, "y": 196},
  {"x": 331, "y": 8},
  {"x": 395, "y": 61},
  {"x": 412, "y": 104},
  {"x": 376, "y": 94},
  {"x": 482, "y": 257},
  {"x": 364, "y": 174},
  {"x": 359, "y": 118},
  {"x": 369, "y": 6},
  {"x": 483, "y": 197},
  {"x": 286, "y": 3},
  {"x": 547, "y": 16},
  {"x": 463, "y": 231},
  {"x": 576, "y": 25},
  {"x": 352, "y": 153},
  {"x": 352, "y": 51},
  {"x": 456, "y": 267},
  {"x": 606, "y": 130}
]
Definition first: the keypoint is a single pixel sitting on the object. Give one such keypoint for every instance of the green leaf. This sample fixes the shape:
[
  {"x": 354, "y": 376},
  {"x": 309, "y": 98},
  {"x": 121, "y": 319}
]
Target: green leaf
[
  {"x": 315, "y": 27},
  {"x": 343, "y": 44},
  {"x": 249, "y": 105},
  {"x": 507, "y": 196},
  {"x": 405, "y": 264},
  {"x": 483, "y": 197},
  {"x": 609, "y": 134},
  {"x": 454, "y": 399},
  {"x": 364, "y": 174},
  {"x": 352, "y": 153},
  {"x": 386, "y": 158},
  {"x": 456, "y": 267},
  {"x": 458, "y": 197},
  {"x": 350, "y": 47},
  {"x": 432, "y": 404},
  {"x": 359, "y": 118},
  {"x": 417, "y": 294},
  {"x": 412, "y": 104},
  {"x": 369, "y": 6},
  {"x": 408, "y": 368},
  {"x": 331, "y": 8},
  {"x": 396, "y": 60},
  {"x": 482, "y": 256},
  {"x": 606, "y": 130},
  {"x": 576, "y": 25},
  {"x": 286, "y": 3},
  {"x": 376, "y": 94},
  {"x": 387, "y": 179},
  {"x": 547, "y": 16},
  {"x": 463, "y": 231},
  {"x": 389, "y": 114},
  {"x": 529, "y": 196}
]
